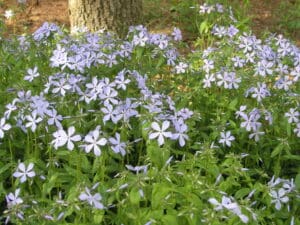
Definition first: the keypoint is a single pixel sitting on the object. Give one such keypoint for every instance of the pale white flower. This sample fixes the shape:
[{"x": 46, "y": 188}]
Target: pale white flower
[
  {"x": 228, "y": 204},
  {"x": 296, "y": 130},
  {"x": 160, "y": 133},
  {"x": 13, "y": 199},
  {"x": 116, "y": 145},
  {"x": 61, "y": 138},
  {"x": 93, "y": 200},
  {"x": 292, "y": 115},
  {"x": 279, "y": 197},
  {"x": 31, "y": 74},
  {"x": 23, "y": 172},
  {"x": 177, "y": 35},
  {"x": 93, "y": 142},
  {"x": 226, "y": 138},
  {"x": 3, "y": 127},
  {"x": 33, "y": 120},
  {"x": 8, "y": 14},
  {"x": 181, "y": 68}
]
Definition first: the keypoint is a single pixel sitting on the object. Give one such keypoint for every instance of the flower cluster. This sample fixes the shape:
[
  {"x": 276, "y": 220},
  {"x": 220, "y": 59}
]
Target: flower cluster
[{"x": 95, "y": 129}]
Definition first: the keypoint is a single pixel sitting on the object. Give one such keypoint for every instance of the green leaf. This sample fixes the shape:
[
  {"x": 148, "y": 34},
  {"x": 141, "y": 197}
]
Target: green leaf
[
  {"x": 233, "y": 103},
  {"x": 160, "y": 62},
  {"x": 203, "y": 29},
  {"x": 297, "y": 181},
  {"x": 159, "y": 192},
  {"x": 139, "y": 52},
  {"x": 277, "y": 150},
  {"x": 98, "y": 218},
  {"x": 288, "y": 129},
  {"x": 5, "y": 167},
  {"x": 48, "y": 186},
  {"x": 242, "y": 193},
  {"x": 170, "y": 219},
  {"x": 134, "y": 196},
  {"x": 158, "y": 155}
]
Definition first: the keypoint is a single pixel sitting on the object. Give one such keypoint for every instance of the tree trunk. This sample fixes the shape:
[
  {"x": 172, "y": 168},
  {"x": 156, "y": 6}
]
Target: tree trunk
[{"x": 112, "y": 15}]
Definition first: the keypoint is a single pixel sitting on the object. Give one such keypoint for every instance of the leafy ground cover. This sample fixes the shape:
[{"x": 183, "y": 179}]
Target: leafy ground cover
[{"x": 99, "y": 130}]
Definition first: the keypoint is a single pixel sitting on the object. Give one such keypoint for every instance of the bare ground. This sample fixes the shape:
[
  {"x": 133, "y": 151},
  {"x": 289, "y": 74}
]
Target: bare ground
[{"x": 263, "y": 13}]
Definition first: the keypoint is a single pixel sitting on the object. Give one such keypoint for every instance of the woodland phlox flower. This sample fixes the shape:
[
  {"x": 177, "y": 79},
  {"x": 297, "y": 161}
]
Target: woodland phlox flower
[
  {"x": 62, "y": 138},
  {"x": 180, "y": 132},
  {"x": 3, "y": 127},
  {"x": 32, "y": 121},
  {"x": 23, "y": 173},
  {"x": 227, "y": 203},
  {"x": 10, "y": 107},
  {"x": 40, "y": 105},
  {"x": 208, "y": 65},
  {"x": 279, "y": 191},
  {"x": 181, "y": 67},
  {"x": 45, "y": 31},
  {"x": 177, "y": 36},
  {"x": 297, "y": 130},
  {"x": 137, "y": 169},
  {"x": 94, "y": 141},
  {"x": 160, "y": 132},
  {"x": 208, "y": 80},
  {"x": 279, "y": 197},
  {"x": 93, "y": 200},
  {"x": 206, "y": 8},
  {"x": 31, "y": 74},
  {"x": 226, "y": 138},
  {"x": 54, "y": 118},
  {"x": 13, "y": 199},
  {"x": 292, "y": 115},
  {"x": 120, "y": 80},
  {"x": 8, "y": 14},
  {"x": 116, "y": 145}
]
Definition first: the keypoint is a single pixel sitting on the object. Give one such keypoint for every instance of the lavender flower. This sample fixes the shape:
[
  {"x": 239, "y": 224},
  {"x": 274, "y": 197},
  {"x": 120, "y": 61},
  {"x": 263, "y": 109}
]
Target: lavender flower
[
  {"x": 3, "y": 127},
  {"x": 62, "y": 138},
  {"x": 33, "y": 120},
  {"x": 93, "y": 200},
  {"x": 279, "y": 197},
  {"x": 180, "y": 134},
  {"x": 117, "y": 145},
  {"x": 297, "y": 130},
  {"x": 160, "y": 132},
  {"x": 181, "y": 68},
  {"x": 226, "y": 138},
  {"x": 292, "y": 115},
  {"x": 31, "y": 74},
  {"x": 94, "y": 142},
  {"x": 177, "y": 36},
  {"x": 231, "y": 206},
  {"x": 13, "y": 199},
  {"x": 23, "y": 172}
]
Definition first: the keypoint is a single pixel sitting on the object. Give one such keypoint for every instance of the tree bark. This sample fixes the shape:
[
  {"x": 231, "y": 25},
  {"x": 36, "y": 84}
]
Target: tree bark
[{"x": 112, "y": 15}]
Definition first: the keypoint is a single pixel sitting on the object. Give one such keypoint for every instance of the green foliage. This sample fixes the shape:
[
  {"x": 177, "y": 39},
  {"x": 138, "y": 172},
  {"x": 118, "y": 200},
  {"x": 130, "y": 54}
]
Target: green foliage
[{"x": 177, "y": 148}]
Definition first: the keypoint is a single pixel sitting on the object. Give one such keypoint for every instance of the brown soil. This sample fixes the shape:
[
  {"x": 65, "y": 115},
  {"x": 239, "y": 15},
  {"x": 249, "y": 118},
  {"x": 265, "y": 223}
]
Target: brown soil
[
  {"x": 34, "y": 15},
  {"x": 263, "y": 15},
  {"x": 266, "y": 14}
]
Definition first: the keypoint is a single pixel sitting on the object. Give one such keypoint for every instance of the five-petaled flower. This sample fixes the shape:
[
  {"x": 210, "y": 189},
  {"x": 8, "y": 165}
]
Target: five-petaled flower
[
  {"x": 160, "y": 133},
  {"x": 3, "y": 127},
  {"x": 279, "y": 197},
  {"x": 93, "y": 142},
  {"x": 33, "y": 120},
  {"x": 13, "y": 199},
  {"x": 226, "y": 138},
  {"x": 23, "y": 172},
  {"x": 61, "y": 138},
  {"x": 93, "y": 200}
]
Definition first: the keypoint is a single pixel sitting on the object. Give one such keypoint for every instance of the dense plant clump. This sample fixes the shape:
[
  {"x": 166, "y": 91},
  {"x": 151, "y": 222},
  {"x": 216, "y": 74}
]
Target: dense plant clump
[{"x": 99, "y": 130}]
